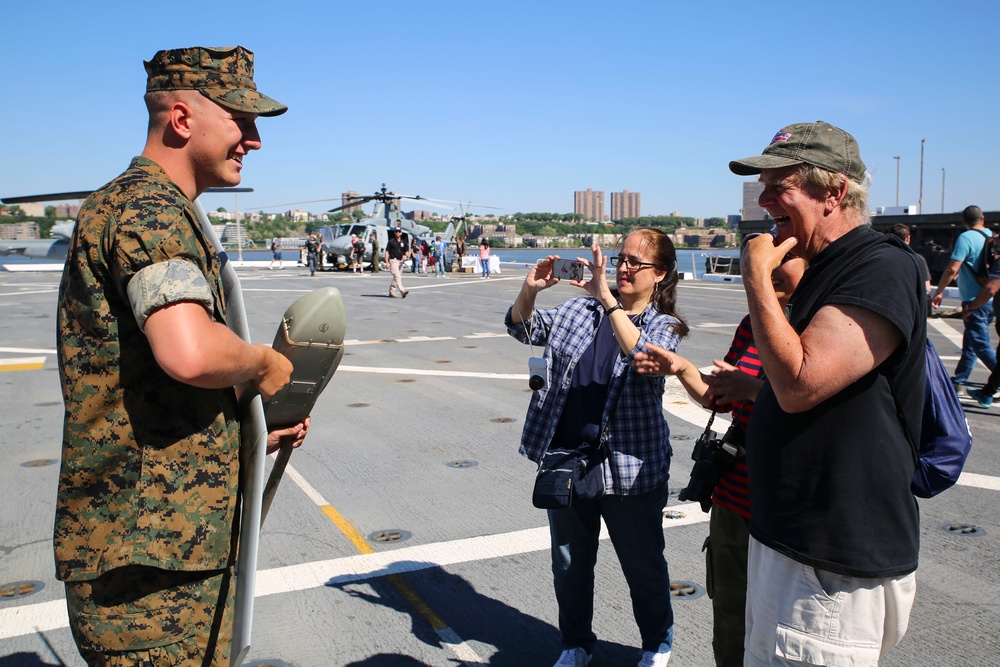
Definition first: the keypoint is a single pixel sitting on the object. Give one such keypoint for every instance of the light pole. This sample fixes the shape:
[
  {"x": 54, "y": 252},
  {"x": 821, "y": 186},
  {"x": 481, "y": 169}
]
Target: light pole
[
  {"x": 942, "y": 189},
  {"x": 896, "y": 158},
  {"x": 920, "y": 201},
  {"x": 239, "y": 231}
]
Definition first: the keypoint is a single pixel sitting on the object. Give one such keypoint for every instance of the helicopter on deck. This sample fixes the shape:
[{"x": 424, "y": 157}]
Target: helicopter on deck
[{"x": 385, "y": 218}]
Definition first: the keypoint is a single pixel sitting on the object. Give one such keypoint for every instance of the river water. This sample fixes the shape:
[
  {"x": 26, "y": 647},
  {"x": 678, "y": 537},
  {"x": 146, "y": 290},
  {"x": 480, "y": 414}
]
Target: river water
[{"x": 688, "y": 261}]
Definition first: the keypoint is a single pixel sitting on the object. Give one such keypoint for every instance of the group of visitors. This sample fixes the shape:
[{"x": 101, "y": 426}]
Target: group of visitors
[
  {"x": 830, "y": 354},
  {"x": 434, "y": 255}
]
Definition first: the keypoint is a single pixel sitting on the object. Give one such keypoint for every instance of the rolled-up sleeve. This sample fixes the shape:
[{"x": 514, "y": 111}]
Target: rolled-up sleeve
[{"x": 165, "y": 283}]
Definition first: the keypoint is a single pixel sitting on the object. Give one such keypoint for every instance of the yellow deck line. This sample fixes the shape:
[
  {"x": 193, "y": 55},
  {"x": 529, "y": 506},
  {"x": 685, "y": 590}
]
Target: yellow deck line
[
  {"x": 403, "y": 586},
  {"x": 22, "y": 364}
]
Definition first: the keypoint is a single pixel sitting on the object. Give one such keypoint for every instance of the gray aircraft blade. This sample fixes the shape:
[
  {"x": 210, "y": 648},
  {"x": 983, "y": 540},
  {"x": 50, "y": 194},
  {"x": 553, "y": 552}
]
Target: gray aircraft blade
[{"x": 311, "y": 336}]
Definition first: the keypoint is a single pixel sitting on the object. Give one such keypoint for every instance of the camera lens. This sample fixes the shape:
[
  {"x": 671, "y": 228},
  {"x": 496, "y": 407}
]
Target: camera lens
[{"x": 536, "y": 382}]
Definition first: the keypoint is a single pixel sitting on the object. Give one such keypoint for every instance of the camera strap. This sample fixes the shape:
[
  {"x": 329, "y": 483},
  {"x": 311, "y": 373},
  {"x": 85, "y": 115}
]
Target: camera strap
[
  {"x": 708, "y": 426},
  {"x": 709, "y": 434}
]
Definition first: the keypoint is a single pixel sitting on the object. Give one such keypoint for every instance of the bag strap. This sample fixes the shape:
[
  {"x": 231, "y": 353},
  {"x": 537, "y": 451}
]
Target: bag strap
[
  {"x": 603, "y": 438},
  {"x": 914, "y": 445}
]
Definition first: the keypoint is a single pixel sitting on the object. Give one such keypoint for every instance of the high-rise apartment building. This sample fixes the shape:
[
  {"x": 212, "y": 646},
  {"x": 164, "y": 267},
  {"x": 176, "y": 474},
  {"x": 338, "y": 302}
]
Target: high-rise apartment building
[
  {"x": 751, "y": 193},
  {"x": 346, "y": 198},
  {"x": 67, "y": 210},
  {"x": 626, "y": 204},
  {"x": 589, "y": 204}
]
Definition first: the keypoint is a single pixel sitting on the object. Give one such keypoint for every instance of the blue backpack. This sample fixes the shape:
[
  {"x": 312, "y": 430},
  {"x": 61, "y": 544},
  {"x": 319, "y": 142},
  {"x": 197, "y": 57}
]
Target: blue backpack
[{"x": 945, "y": 439}]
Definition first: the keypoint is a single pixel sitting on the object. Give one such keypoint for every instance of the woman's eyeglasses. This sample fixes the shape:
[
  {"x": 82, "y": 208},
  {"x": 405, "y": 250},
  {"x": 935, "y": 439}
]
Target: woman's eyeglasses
[{"x": 630, "y": 262}]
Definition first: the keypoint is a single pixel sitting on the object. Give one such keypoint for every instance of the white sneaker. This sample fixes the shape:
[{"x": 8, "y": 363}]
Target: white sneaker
[
  {"x": 659, "y": 658},
  {"x": 573, "y": 657}
]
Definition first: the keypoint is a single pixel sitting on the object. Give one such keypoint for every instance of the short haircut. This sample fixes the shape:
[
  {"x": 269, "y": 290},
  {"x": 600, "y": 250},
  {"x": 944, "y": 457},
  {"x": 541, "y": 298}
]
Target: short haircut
[
  {"x": 971, "y": 215},
  {"x": 900, "y": 230}
]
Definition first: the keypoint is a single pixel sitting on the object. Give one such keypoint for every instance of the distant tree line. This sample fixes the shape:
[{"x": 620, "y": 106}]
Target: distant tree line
[
  {"x": 547, "y": 217},
  {"x": 535, "y": 224}
]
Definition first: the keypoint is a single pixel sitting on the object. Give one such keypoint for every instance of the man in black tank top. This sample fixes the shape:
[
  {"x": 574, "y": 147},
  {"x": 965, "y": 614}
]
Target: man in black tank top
[{"x": 834, "y": 526}]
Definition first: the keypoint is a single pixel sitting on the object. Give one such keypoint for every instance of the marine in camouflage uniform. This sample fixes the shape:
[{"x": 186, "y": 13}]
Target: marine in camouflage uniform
[
  {"x": 146, "y": 528},
  {"x": 376, "y": 253}
]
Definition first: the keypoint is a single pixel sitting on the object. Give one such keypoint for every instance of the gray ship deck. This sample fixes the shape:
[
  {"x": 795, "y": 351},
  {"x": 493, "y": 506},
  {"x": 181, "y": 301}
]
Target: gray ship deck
[{"x": 411, "y": 470}]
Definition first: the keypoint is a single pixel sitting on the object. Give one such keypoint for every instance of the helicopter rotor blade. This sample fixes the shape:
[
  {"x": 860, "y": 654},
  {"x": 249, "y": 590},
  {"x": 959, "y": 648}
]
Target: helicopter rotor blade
[
  {"x": 464, "y": 204},
  {"x": 57, "y": 196},
  {"x": 427, "y": 202},
  {"x": 293, "y": 203},
  {"x": 355, "y": 201}
]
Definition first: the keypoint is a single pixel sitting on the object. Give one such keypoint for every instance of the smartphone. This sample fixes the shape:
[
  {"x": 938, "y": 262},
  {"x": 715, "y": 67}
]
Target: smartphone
[{"x": 570, "y": 269}]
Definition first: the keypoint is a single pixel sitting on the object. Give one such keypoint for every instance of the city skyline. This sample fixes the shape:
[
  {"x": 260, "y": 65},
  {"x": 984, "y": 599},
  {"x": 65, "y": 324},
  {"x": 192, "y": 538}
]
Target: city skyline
[{"x": 471, "y": 103}]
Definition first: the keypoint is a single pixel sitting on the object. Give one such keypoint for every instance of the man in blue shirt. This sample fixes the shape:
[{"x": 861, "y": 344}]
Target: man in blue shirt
[
  {"x": 984, "y": 396},
  {"x": 440, "y": 256},
  {"x": 964, "y": 261}
]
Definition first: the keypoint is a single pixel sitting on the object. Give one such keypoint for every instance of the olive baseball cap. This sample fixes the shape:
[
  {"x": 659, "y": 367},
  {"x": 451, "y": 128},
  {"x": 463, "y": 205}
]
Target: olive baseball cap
[
  {"x": 222, "y": 74},
  {"x": 819, "y": 144}
]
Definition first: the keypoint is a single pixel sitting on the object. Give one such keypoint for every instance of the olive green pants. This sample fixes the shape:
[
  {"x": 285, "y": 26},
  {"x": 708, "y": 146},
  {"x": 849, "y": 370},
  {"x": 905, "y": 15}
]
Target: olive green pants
[
  {"x": 726, "y": 581},
  {"x": 146, "y": 617}
]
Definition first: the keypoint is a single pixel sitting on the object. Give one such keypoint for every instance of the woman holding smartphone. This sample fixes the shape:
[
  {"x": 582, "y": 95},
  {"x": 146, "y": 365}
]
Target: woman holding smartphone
[{"x": 598, "y": 402}]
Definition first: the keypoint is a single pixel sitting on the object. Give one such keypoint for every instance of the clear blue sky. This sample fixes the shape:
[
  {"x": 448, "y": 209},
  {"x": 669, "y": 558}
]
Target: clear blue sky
[{"x": 517, "y": 104}]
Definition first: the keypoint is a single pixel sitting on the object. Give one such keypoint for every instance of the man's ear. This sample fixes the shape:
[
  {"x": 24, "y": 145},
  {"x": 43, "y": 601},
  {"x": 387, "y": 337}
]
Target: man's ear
[
  {"x": 836, "y": 195},
  {"x": 179, "y": 119}
]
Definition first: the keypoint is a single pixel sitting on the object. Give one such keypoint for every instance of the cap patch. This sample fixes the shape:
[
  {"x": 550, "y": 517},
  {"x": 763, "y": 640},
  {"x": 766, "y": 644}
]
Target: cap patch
[{"x": 781, "y": 136}]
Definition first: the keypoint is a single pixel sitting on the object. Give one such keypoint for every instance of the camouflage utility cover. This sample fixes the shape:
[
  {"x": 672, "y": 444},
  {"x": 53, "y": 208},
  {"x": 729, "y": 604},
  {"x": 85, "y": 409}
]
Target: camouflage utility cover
[
  {"x": 150, "y": 465},
  {"x": 223, "y": 74}
]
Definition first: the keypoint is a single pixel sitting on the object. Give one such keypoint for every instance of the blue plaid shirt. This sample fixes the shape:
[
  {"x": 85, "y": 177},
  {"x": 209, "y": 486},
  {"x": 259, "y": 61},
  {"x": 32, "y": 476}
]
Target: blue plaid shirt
[{"x": 638, "y": 438}]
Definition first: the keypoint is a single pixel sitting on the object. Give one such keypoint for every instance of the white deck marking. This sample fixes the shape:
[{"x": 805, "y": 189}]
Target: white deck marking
[
  {"x": 452, "y": 282},
  {"x": 678, "y": 403},
  {"x": 722, "y": 287},
  {"x": 47, "y": 291},
  {"x": 953, "y": 335},
  {"x": 419, "y": 339},
  {"x": 422, "y": 339},
  {"x": 25, "y": 350},
  {"x": 421, "y": 371},
  {"x": 280, "y": 291},
  {"x": 979, "y": 481},
  {"x": 32, "y": 618},
  {"x": 386, "y": 341},
  {"x": 28, "y": 619},
  {"x": 946, "y": 330}
]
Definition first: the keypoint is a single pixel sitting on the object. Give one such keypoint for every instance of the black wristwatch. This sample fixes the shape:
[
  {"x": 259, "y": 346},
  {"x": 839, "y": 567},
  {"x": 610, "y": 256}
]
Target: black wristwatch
[{"x": 617, "y": 306}]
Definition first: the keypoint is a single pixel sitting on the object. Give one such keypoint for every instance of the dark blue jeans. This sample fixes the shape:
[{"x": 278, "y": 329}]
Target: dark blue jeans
[
  {"x": 976, "y": 343},
  {"x": 635, "y": 525}
]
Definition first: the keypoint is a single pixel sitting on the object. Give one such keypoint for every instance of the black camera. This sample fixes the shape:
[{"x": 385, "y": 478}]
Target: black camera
[{"x": 712, "y": 457}]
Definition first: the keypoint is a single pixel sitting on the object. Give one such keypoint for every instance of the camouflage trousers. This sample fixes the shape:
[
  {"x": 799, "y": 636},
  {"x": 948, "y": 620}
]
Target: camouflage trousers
[{"x": 139, "y": 616}]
